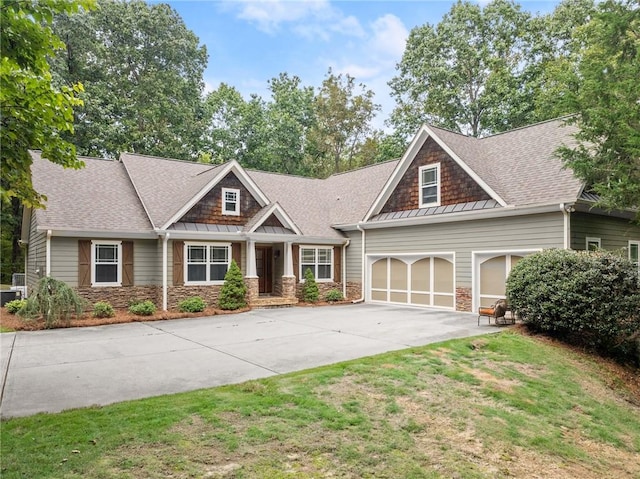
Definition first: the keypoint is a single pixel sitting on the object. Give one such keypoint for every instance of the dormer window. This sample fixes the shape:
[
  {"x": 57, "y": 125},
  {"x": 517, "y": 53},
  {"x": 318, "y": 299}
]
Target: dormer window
[
  {"x": 230, "y": 201},
  {"x": 430, "y": 185}
]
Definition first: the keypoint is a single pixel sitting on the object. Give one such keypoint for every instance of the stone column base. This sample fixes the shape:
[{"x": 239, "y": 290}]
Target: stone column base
[
  {"x": 253, "y": 288},
  {"x": 288, "y": 286},
  {"x": 463, "y": 299}
]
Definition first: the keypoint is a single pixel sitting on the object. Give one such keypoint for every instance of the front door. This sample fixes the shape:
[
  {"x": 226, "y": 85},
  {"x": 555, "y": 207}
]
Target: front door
[{"x": 264, "y": 268}]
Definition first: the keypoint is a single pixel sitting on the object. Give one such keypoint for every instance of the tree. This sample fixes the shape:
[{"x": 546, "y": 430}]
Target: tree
[
  {"x": 606, "y": 100},
  {"x": 468, "y": 73},
  {"x": 343, "y": 123},
  {"x": 35, "y": 114},
  {"x": 142, "y": 69},
  {"x": 310, "y": 291}
]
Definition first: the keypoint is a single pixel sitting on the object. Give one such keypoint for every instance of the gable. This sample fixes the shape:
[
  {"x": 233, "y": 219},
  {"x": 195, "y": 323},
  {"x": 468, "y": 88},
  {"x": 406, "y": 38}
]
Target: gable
[
  {"x": 209, "y": 209},
  {"x": 456, "y": 186},
  {"x": 272, "y": 220}
]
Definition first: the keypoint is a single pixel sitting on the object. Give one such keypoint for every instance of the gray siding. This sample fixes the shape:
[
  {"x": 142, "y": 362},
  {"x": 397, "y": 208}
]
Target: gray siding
[
  {"x": 614, "y": 233},
  {"x": 463, "y": 238},
  {"x": 354, "y": 256},
  {"x": 64, "y": 261},
  {"x": 36, "y": 254}
]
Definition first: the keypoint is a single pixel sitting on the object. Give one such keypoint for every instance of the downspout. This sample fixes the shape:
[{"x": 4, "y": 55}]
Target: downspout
[
  {"x": 47, "y": 268},
  {"x": 566, "y": 214},
  {"x": 165, "y": 281},
  {"x": 363, "y": 268},
  {"x": 344, "y": 268}
]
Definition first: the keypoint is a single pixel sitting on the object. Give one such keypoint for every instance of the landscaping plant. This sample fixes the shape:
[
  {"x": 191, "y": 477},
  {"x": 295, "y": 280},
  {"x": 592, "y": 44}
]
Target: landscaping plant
[
  {"x": 310, "y": 293},
  {"x": 16, "y": 305},
  {"x": 143, "y": 308},
  {"x": 591, "y": 299},
  {"x": 102, "y": 309},
  {"x": 54, "y": 300},
  {"x": 233, "y": 292},
  {"x": 334, "y": 295},
  {"x": 192, "y": 305}
]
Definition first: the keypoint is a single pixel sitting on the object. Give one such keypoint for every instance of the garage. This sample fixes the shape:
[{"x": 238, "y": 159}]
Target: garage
[
  {"x": 491, "y": 273},
  {"x": 418, "y": 280}
]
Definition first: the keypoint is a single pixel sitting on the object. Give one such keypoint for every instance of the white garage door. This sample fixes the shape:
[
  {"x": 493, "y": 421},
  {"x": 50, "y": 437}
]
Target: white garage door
[{"x": 426, "y": 280}]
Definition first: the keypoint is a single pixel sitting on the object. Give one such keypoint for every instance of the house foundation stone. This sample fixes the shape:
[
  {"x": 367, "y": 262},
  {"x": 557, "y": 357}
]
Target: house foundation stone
[
  {"x": 122, "y": 297},
  {"x": 463, "y": 299},
  {"x": 253, "y": 288},
  {"x": 288, "y": 287}
]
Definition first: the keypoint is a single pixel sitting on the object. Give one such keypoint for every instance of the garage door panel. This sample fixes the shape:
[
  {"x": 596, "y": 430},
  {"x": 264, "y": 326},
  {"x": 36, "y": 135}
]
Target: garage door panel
[
  {"x": 398, "y": 274},
  {"x": 421, "y": 275},
  {"x": 397, "y": 297},
  {"x": 443, "y": 275},
  {"x": 379, "y": 274},
  {"x": 443, "y": 301},
  {"x": 379, "y": 296},
  {"x": 421, "y": 299},
  {"x": 492, "y": 276}
]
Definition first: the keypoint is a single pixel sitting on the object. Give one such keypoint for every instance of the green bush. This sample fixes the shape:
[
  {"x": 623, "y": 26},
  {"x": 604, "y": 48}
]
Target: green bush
[
  {"x": 334, "y": 295},
  {"x": 310, "y": 293},
  {"x": 54, "y": 300},
  {"x": 192, "y": 305},
  {"x": 587, "y": 298},
  {"x": 143, "y": 308},
  {"x": 16, "y": 305},
  {"x": 233, "y": 292},
  {"x": 103, "y": 309}
]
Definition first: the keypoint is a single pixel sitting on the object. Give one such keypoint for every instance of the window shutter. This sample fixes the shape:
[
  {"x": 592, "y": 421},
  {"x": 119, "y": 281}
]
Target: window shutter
[
  {"x": 178, "y": 263},
  {"x": 295, "y": 252},
  {"x": 337, "y": 264},
  {"x": 84, "y": 263},
  {"x": 127, "y": 263},
  {"x": 236, "y": 253}
]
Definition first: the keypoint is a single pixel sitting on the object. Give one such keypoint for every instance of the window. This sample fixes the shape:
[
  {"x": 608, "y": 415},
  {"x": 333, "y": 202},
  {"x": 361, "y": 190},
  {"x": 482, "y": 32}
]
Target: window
[
  {"x": 206, "y": 263},
  {"x": 318, "y": 260},
  {"x": 593, "y": 244},
  {"x": 430, "y": 185},
  {"x": 106, "y": 261},
  {"x": 634, "y": 252},
  {"x": 230, "y": 202}
]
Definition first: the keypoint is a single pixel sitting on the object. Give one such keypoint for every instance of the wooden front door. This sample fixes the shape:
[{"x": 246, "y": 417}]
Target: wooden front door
[{"x": 264, "y": 268}]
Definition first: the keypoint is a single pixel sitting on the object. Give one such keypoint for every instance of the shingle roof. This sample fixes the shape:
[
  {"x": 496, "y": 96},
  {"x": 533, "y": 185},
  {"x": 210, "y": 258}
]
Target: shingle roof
[
  {"x": 165, "y": 186},
  {"x": 99, "y": 197},
  {"x": 520, "y": 165}
]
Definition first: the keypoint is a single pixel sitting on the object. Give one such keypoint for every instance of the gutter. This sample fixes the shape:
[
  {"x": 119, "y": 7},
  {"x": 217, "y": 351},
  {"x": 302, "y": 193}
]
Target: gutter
[
  {"x": 344, "y": 267},
  {"x": 48, "y": 254},
  {"x": 567, "y": 209},
  {"x": 165, "y": 281}
]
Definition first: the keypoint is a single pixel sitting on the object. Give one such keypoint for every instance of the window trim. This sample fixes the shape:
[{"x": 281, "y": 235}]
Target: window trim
[
  {"x": 438, "y": 184},
  {"x": 635, "y": 243},
  {"x": 316, "y": 248},
  {"x": 207, "y": 262},
  {"x": 94, "y": 244},
  {"x": 593, "y": 239},
  {"x": 236, "y": 211}
]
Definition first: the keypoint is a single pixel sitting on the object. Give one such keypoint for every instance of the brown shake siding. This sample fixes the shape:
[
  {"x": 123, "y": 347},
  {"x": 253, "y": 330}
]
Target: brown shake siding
[
  {"x": 209, "y": 209},
  {"x": 456, "y": 186}
]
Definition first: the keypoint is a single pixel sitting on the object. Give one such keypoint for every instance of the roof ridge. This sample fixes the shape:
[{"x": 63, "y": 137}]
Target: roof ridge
[
  {"x": 195, "y": 162},
  {"x": 360, "y": 168},
  {"x": 526, "y": 126},
  {"x": 278, "y": 173}
]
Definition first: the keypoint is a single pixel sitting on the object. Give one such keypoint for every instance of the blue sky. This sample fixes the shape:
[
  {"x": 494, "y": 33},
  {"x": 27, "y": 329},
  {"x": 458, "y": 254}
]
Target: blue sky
[{"x": 250, "y": 42}]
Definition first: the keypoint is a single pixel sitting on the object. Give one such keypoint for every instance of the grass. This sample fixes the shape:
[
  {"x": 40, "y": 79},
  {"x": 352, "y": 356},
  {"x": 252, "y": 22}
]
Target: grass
[{"x": 502, "y": 405}]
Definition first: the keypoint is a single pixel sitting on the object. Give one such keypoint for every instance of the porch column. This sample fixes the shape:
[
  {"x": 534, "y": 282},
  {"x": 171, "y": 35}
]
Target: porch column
[
  {"x": 288, "y": 259},
  {"x": 251, "y": 279},
  {"x": 288, "y": 278}
]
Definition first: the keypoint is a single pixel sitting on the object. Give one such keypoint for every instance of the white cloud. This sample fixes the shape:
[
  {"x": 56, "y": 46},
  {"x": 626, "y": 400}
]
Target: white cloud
[{"x": 389, "y": 37}]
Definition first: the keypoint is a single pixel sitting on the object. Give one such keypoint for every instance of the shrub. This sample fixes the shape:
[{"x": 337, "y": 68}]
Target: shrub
[
  {"x": 192, "y": 305},
  {"x": 103, "y": 309},
  {"x": 310, "y": 292},
  {"x": 54, "y": 300},
  {"x": 233, "y": 292},
  {"x": 587, "y": 298},
  {"x": 334, "y": 295},
  {"x": 143, "y": 308},
  {"x": 16, "y": 305}
]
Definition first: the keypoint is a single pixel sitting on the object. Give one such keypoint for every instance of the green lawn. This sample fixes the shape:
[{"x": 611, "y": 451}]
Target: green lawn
[{"x": 501, "y": 405}]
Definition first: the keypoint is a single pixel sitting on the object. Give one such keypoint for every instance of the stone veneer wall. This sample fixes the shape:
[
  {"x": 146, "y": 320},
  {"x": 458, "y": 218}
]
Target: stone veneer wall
[
  {"x": 353, "y": 290},
  {"x": 122, "y": 297},
  {"x": 175, "y": 294},
  {"x": 463, "y": 299}
]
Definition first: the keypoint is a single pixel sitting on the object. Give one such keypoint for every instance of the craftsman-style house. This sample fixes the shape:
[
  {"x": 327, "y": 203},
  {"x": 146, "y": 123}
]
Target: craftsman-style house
[{"x": 440, "y": 227}]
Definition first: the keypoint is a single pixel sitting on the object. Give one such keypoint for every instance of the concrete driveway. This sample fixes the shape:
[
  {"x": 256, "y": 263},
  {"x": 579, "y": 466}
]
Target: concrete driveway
[{"x": 50, "y": 371}]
